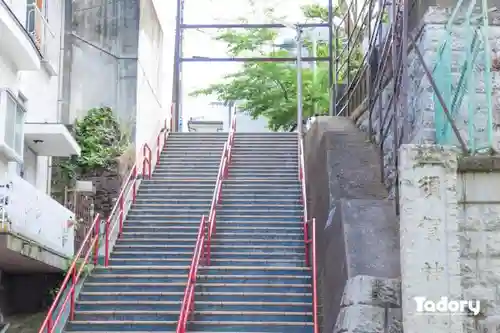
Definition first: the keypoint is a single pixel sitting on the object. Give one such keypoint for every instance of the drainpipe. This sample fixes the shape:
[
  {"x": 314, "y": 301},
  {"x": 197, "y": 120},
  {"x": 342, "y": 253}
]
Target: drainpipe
[
  {"x": 60, "y": 64},
  {"x": 60, "y": 92}
]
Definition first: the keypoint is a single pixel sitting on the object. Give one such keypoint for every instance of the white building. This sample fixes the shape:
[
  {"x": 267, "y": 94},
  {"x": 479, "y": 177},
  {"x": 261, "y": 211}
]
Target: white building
[{"x": 32, "y": 224}]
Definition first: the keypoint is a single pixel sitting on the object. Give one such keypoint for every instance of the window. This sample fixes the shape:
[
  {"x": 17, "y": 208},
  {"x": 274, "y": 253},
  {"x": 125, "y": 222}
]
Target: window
[{"x": 14, "y": 122}]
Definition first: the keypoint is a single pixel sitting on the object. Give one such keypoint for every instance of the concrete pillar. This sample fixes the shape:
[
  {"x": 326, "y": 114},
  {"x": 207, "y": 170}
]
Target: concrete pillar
[{"x": 430, "y": 247}]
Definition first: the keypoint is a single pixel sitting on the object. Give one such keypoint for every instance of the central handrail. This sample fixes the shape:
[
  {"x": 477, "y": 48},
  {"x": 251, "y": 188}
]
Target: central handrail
[
  {"x": 188, "y": 300},
  {"x": 203, "y": 242},
  {"x": 309, "y": 226},
  {"x": 222, "y": 174}
]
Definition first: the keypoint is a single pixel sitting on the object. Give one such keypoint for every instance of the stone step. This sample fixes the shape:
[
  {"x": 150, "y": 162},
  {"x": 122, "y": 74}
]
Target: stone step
[
  {"x": 216, "y": 240},
  {"x": 200, "y": 296},
  {"x": 167, "y": 315},
  {"x": 214, "y": 260},
  {"x": 202, "y": 306},
  {"x": 202, "y": 286},
  {"x": 220, "y": 235},
  {"x": 195, "y": 217},
  {"x": 269, "y": 248},
  {"x": 252, "y": 326},
  {"x": 220, "y": 228},
  {"x": 279, "y": 223},
  {"x": 217, "y": 253}
]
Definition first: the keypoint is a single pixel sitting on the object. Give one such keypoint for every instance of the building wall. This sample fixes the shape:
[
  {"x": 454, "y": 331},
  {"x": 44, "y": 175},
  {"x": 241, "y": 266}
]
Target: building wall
[
  {"x": 150, "y": 111},
  {"x": 100, "y": 67},
  {"x": 40, "y": 88},
  {"x": 19, "y": 9},
  {"x": 40, "y": 236},
  {"x": 121, "y": 43}
]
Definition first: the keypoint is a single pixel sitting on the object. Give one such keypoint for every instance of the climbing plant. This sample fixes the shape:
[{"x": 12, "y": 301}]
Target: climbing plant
[{"x": 101, "y": 140}]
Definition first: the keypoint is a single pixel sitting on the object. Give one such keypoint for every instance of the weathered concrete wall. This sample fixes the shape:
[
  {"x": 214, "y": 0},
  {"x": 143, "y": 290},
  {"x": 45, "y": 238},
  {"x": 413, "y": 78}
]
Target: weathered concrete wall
[
  {"x": 449, "y": 236},
  {"x": 101, "y": 58},
  {"x": 150, "y": 113},
  {"x": 419, "y": 123},
  {"x": 357, "y": 231}
]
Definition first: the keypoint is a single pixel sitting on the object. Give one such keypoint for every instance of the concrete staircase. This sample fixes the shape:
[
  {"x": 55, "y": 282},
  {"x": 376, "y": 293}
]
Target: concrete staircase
[
  {"x": 258, "y": 280},
  {"x": 142, "y": 289}
]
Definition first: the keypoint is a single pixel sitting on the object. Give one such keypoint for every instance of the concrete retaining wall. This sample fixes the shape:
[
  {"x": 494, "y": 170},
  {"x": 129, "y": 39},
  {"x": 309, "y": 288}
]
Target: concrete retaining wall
[{"x": 357, "y": 231}]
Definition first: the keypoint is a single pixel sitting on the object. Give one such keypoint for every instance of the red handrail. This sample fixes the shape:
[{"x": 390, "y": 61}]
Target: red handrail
[
  {"x": 73, "y": 274},
  {"x": 159, "y": 145},
  {"x": 202, "y": 247},
  {"x": 188, "y": 300},
  {"x": 147, "y": 152},
  {"x": 303, "y": 194},
  {"x": 120, "y": 208},
  {"x": 309, "y": 242},
  {"x": 222, "y": 174},
  {"x": 129, "y": 187},
  {"x": 146, "y": 160}
]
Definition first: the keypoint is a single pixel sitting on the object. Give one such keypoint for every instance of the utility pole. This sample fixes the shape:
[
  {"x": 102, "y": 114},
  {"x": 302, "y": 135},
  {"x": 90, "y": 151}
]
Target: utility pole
[
  {"x": 299, "y": 78},
  {"x": 331, "y": 88},
  {"x": 314, "y": 66},
  {"x": 176, "y": 88}
]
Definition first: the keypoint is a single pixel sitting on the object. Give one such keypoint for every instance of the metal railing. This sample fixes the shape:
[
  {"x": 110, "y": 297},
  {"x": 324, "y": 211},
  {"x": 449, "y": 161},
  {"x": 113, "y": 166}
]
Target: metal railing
[
  {"x": 72, "y": 279},
  {"x": 378, "y": 83},
  {"x": 309, "y": 227},
  {"x": 42, "y": 34},
  {"x": 149, "y": 160},
  {"x": 222, "y": 174},
  {"x": 203, "y": 242},
  {"x": 92, "y": 245},
  {"x": 129, "y": 191},
  {"x": 187, "y": 306}
]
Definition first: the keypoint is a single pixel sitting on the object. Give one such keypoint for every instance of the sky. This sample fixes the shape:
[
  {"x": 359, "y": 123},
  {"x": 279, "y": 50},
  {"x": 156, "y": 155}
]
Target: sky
[{"x": 196, "y": 43}]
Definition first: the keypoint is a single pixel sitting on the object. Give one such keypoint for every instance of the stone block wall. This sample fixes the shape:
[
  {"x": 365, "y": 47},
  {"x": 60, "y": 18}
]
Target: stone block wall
[
  {"x": 450, "y": 228},
  {"x": 418, "y": 123}
]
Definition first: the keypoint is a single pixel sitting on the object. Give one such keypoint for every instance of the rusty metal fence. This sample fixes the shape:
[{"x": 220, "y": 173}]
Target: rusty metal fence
[{"x": 83, "y": 207}]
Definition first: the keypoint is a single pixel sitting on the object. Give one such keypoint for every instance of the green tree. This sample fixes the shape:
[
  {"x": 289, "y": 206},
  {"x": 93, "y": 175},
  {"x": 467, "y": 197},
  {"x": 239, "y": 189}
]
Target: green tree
[{"x": 269, "y": 89}]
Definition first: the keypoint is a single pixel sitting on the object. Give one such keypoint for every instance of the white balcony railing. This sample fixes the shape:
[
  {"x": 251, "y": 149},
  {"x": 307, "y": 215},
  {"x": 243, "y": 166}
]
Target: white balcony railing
[
  {"x": 31, "y": 213},
  {"x": 44, "y": 37}
]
